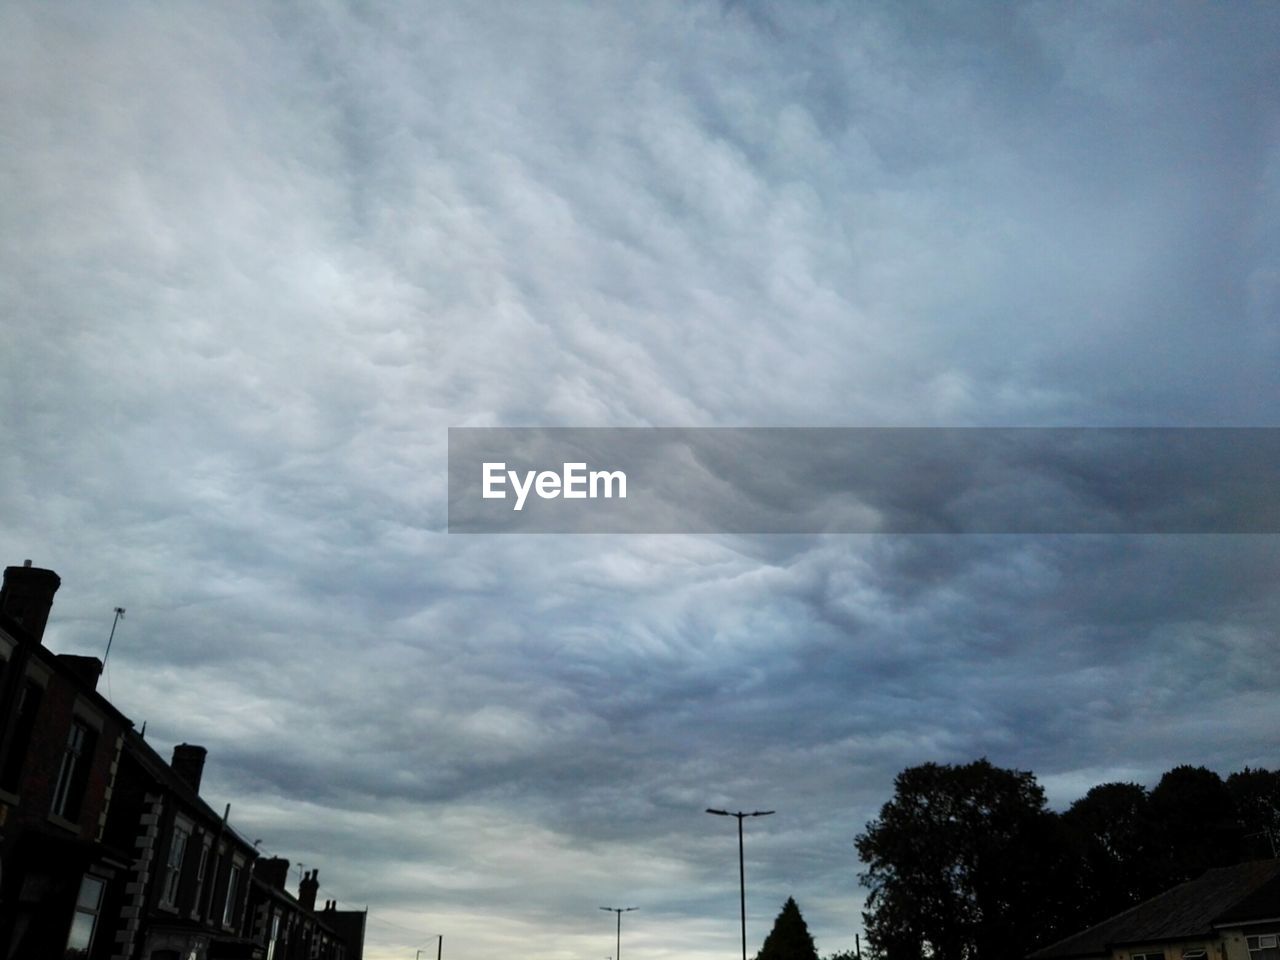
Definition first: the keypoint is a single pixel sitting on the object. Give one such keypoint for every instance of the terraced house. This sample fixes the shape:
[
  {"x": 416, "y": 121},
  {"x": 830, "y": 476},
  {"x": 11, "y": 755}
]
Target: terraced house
[
  {"x": 60, "y": 746},
  {"x": 107, "y": 850}
]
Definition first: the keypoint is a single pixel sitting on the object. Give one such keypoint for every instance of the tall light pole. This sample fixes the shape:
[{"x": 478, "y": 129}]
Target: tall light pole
[
  {"x": 742, "y": 870},
  {"x": 617, "y": 953}
]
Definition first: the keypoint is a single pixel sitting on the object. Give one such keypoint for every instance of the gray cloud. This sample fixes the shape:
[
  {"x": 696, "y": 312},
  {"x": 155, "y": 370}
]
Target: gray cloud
[{"x": 256, "y": 261}]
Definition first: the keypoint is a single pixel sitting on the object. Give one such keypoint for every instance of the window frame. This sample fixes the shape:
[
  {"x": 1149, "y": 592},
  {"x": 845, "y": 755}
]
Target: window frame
[
  {"x": 171, "y": 878},
  {"x": 95, "y": 913},
  {"x": 1257, "y": 950},
  {"x": 229, "y": 901},
  {"x": 273, "y": 935},
  {"x": 202, "y": 873},
  {"x": 73, "y": 768},
  {"x": 31, "y": 696}
]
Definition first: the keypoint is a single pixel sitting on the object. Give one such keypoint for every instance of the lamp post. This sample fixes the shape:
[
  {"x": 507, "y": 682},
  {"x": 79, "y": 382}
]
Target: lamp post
[
  {"x": 742, "y": 870},
  {"x": 617, "y": 953},
  {"x": 439, "y": 947}
]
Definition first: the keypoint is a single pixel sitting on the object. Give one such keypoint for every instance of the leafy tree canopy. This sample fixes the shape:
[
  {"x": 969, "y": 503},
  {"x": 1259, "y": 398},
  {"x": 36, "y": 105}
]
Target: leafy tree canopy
[
  {"x": 967, "y": 863},
  {"x": 1116, "y": 844},
  {"x": 1197, "y": 818},
  {"x": 1257, "y": 798},
  {"x": 962, "y": 864}
]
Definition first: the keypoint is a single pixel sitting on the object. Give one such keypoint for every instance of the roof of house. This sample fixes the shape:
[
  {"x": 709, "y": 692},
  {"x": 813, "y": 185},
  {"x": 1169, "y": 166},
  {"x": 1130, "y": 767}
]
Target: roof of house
[
  {"x": 165, "y": 776},
  {"x": 80, "y": 672},
  {"x": 331, "y": 920},
  {"x": 1235, "y": 894}
]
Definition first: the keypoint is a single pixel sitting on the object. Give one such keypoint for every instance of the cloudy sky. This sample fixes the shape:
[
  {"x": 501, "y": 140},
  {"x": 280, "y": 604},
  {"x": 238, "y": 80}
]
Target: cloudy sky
[{"x": 257, "y": 259}]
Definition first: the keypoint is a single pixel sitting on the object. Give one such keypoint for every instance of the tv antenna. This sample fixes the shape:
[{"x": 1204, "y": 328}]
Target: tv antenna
[{"x": 119, "y": 616}]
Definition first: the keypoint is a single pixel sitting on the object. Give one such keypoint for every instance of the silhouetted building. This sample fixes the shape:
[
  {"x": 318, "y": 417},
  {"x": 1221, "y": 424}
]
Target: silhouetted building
[
  {"x": 60, "y": 743},
  {"x": 107, "y": 850},
  {"x": 190, "y": 874},
  {"x": 1228, "y": 913},
  {"x": 290, "y": 928}
]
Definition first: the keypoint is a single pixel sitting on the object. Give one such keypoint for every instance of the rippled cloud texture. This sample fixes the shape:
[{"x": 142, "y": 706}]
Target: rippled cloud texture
[{"x": 256, "y": 259}]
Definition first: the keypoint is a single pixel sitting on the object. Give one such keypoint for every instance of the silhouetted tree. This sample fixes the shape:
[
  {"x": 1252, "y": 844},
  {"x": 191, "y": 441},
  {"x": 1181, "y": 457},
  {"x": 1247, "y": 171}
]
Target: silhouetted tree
[
  {"x": 789, "y": 939},
  {"x": 1257, "y": 799},
  {"x": 964, "y": 862},
  {"x": 1197, "y": 820},
  {"x": 1117, "y": 844}
]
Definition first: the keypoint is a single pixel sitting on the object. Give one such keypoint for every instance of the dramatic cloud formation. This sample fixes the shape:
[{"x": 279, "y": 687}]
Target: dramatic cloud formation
[{"x": 257, "y": 259}]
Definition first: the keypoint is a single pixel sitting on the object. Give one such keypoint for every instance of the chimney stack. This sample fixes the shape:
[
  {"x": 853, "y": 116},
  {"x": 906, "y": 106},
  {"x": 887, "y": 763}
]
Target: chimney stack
[
  {"x": 188, "y": 764},
  {"x": 87, "y": 669},
  {"x": 27, "y": 596},
  {"x": 273, "y": 871},
  {"x": 307, "y": 889}
]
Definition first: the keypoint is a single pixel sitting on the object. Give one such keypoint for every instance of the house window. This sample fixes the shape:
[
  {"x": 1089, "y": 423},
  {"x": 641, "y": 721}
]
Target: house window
[
  {"x": 73, "y": 772},
  {"x": 1150, "y": 955},
  {"x": 24, "y": 724},
  {"x": 1264, "y": 947},
  {"x": 85, "y": 920},
  {"x": 202, "y": 867},
  {"x": 229, "y": 908},
  {"x": 275, "y": 935},
  {"x": 173, "y": 866}
]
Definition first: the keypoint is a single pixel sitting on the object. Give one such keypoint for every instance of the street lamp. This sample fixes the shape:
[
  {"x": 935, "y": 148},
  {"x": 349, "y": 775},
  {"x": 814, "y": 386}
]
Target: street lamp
[
  {"x": 742, "y": 870},
  {"x": 619, "y": 911}
]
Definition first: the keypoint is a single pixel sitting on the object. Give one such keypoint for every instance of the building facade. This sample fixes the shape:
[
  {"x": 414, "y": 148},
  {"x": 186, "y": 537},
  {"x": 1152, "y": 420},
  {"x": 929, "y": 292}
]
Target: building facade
[
  {"x": 190, "y": 869},
  {"x": 60, "y": 747},
  {"x": 107, "y": 849},
  {"x": 290, "y": 928}
]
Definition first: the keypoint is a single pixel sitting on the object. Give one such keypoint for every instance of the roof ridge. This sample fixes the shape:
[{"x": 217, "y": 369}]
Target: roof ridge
[{"x": 1205, "y": 879}]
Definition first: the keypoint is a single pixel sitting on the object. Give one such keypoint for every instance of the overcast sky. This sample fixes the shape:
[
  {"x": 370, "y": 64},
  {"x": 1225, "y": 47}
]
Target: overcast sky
[{"x": 256, "y": 259}]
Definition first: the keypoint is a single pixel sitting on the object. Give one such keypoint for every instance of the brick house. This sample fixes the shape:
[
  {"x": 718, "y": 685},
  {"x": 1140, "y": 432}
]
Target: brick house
[
  {"x": 290, "y": 928},
  {"x": 190, "y": 869},
  {"x": 60, "y": 745},
  {"x": 107, "y": 850}
]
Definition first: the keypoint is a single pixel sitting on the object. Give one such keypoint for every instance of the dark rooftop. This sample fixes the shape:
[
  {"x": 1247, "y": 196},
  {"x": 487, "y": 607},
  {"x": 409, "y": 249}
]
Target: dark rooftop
[{"x": 1188, "y": 911}]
